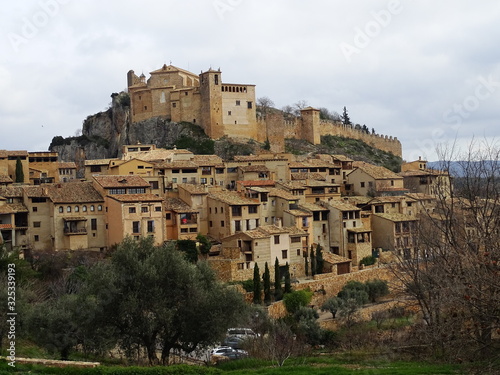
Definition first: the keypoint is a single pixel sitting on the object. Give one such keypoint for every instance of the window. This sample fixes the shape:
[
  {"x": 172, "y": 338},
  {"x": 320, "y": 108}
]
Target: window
[
  {"x": 151, "y": 226},
  {"x": 131, "y": 210},
  {"x": 168, "y": 216},
  {"x": 392, "y": 182},
  {"x": 68, "y": 209},
  {"x": 36, "y": 224},
  {"x": 298, "y": 252},
  {"x": 95, "y": 168},
  {"x": 144, "y": 209},
  {"x": 92, "y": 208},
  {"x": 210, "y": 224},
  {"x": 174, "y": 105},
  {"x": 236, "y": 210},
  {"x": 237, "y": 226},
  {"x": 222, "y": 223},
  {"x": 249, "y": 105},
  {"x": 99, "y": 208},
  {"x": 137, "y": 191},
  {"x": 184, "y": 180},
  {"x": 174, "y": 180},
  {"x": 284, "y": 254},
  {"x": 77, "y": 208},
  {"x": 252, "y": 209},
  {"x": 35, "y": 209},
  {"x": 135, "y": 227},
  {"x": 117, "y": 191},
  {"x": 153, "y": 184},
  {"x": 237, "y": 102},
  {"x": 84, "y": 208},
  {"x": 184, "y": 230},
  {"x": 229, "y": 113},
  {"x": 93, "y": 224},
  {"x": 295, "y": 239},
  {"x": 36, "y": 238},
  {"x": 216, "y": 79},
  {"x": 276, "y": 240},
  {"x": 157, "y": 208},
  {"x": 61, "y": 209},
  {"x": 203, "y": 180},
  {"x": 362, "y": 184}
]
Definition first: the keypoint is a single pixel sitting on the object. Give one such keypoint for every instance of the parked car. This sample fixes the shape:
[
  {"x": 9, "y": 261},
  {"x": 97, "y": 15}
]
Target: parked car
[
  {"x": 241, "y": 332},
  {"x": 228, "y": 352},
  {"x": 235, "y": 342}
]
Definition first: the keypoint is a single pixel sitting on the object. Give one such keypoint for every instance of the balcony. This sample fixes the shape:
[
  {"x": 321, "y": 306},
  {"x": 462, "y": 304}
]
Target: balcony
[{"x": 74, "y": 231}]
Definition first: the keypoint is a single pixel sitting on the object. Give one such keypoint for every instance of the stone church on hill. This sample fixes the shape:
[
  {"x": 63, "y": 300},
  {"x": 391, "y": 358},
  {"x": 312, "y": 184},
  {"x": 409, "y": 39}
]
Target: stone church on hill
[{"x": 229, "y": 109}]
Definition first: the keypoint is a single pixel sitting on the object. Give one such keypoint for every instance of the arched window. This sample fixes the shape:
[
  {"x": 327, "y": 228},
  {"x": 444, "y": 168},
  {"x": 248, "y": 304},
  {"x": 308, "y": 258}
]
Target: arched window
[
  {"x": 68, "y": 209},
  {"x": 61, "y": 209}
]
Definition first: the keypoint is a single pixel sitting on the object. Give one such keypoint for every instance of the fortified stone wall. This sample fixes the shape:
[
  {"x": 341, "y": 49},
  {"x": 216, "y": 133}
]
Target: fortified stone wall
[{"x": 382, "y": 142}]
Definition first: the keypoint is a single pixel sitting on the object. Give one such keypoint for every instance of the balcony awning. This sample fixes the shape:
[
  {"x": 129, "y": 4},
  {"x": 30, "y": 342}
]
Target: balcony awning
[{"x": 77, "y": 218}]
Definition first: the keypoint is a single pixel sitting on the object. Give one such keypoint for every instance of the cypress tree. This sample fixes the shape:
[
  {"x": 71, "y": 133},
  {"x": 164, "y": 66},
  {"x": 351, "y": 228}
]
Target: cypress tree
[
  {"x": 267, "y": 285},
  {"x": 278, "y": 292},
  {"x": 319, "y": 259},
  {"x": 288, "y": 285},
  {"x": 306, "y": 265},
  {"x": 257, "y": 289},
  {"x": 313, "y": 262},
  {"x": 19, "y": 170}
]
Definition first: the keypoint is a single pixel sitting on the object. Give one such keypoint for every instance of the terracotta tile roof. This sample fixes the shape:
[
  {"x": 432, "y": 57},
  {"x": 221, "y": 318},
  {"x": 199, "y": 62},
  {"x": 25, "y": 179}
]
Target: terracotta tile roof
[
  {"x": 259, "y": 157},
  {"x": 276, "y": 192},
  {"x": 298, "y": 212},
  {"x": 420, "y": 196},
  {"x": 12, "y": 208},
  {"x": 232, "y": 198},
  {"x": 6, "y": 226},
  {"x": 177, "y": 164},
  {"x": 73, "y": 192},
  {"x": 375, "y": 171},
  {"x": 334, "y": 258},
  {"x": 292, "y": 185},
  {"x": 99, "y": 161},
  {"x": 295, "y": 231},
  {"x": 272, "y": 229},
  {"x": 111, "y": 181},
  {"x": 6, "y": 153},
  {"x": 396, "y": 217},
  {"x": 177, "y": 205},
  {"x": 67, "y": 164},
  {"x": 359, "y": 230},
  {"x": 343, "y": 206},
  {"x": 253, "y": 168},
  {"x": 341, "y": 158},
  {"x": 208, "y": 160},
  {"x": 261, "y": 183},
  {"x": 193, "y": 188},
  {"x": 258, "y": 189},
  {"x": 12, "y": 191},
  {"x": 136, "y": 197},
  {"x": 358, "y": 199},
  {"x": 425, "y": 172},
  {"x": 256, "y": 234},
  {"x": 393, "y": 199},
  {"x": 312, "y": 207},
  {"x": 316, "y": 183},
  {"x": 35, "y": 191},
  {"x": 5, "y": 179},
  {"x": 324, "y": 157}
]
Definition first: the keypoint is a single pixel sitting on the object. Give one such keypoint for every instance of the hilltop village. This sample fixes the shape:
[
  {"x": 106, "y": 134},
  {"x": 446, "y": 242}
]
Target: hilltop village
[{"x": 254, "y": 209}]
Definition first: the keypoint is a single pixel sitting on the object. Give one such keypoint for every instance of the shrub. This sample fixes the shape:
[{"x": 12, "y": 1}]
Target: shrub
[
  {"x": 367, "y": 261},
  {"x": 376, "y": 289},
  {"x": 295, "y": 300}
]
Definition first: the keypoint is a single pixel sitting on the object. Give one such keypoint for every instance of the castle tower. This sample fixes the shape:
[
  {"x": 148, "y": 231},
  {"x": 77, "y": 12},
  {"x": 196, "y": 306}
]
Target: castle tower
[
  {"x": 211, "y": 103},
  {"x": 310, "y": 125}
]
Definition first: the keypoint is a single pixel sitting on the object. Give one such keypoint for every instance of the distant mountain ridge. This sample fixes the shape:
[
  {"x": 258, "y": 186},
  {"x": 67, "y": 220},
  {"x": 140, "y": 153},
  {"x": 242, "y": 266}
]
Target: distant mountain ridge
[{"x": 458, "y": 168}]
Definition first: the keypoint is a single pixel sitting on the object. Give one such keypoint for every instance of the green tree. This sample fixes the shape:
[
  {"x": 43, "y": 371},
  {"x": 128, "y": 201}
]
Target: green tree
[
  {"x": 313, "y": 262},
  {"x": 267, "y": 285},
  {"x": 376, "y": 289},
  {"x": 155, "y": 298},
  {"x": 278, "y": 291},
  {"x": 306, "y": 265},
  {"x": 188, "y": 247},
  {"x": 295, "y": 300},
  {"x": 345, "y": 118},
  {"x": 288, "y": 284},
  {"x": 332, "y": 305},
  {"x": 257, "y": 288},
  {"x": 307, "y": 325},
  {"x": 204, "y": 244},
  {"x": 19, "y": 170},
  {"x": 319, "y": 259}
]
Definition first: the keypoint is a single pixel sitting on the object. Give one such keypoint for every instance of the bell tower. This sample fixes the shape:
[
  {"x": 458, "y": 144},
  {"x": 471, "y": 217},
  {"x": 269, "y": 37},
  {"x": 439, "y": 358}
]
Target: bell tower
[{"x": 211, "y": 103}]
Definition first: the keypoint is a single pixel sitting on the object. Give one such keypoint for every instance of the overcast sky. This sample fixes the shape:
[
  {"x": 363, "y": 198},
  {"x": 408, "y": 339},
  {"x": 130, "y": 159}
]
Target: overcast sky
[{"x": 427, "y": 72}]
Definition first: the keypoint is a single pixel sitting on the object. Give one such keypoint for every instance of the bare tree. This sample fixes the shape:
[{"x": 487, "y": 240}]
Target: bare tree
[
  {"x": 264, "y": 104},
  {"x": 454, "y": 274}
]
